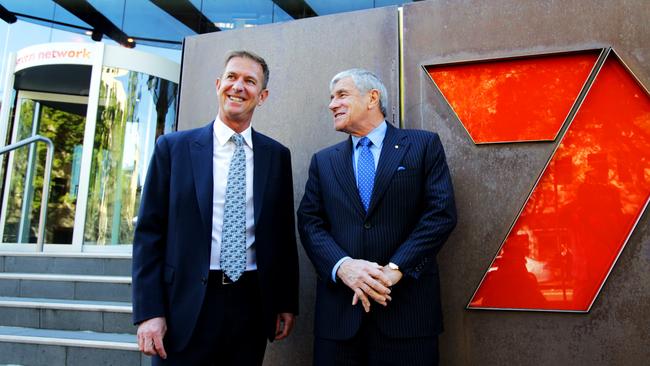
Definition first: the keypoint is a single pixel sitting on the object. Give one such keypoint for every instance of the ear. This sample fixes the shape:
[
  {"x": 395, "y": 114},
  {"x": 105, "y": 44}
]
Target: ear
[
  {"x": 262, "y": 97},
  {"x": 374, "y": 98}
]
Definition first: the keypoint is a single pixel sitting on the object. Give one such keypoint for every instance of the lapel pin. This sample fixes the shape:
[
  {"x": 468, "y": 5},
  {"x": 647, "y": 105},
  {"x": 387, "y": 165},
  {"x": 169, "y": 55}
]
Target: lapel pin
[{"x": 397, "y": 146}]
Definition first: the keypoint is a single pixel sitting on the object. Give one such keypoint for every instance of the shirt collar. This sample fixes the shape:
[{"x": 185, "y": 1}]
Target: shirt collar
[
  {"x": 376, "y": 136},
  {"x": 223, "y": 133}
]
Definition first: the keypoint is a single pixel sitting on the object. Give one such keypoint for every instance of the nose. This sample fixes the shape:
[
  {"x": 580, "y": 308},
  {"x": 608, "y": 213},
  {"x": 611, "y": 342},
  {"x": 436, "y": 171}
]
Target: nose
[
  {"x": 238, "y": 85},
  {"x": 333, "y": 104}
]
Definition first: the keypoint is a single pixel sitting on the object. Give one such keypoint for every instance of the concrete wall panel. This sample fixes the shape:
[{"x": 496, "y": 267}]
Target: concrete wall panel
[
  {"x": 303, "y": 56},
  {"x": 493, "y": 181}
]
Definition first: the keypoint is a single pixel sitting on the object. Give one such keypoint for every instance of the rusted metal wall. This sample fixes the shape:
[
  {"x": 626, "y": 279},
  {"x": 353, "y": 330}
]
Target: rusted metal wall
[{"x": 493, "y": 181}]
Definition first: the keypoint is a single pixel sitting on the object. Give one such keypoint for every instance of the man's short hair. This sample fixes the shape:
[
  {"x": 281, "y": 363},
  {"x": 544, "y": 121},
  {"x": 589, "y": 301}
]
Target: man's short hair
[
  {"x": 251, "y": 56},
  {"x": 365, "y": 81}
]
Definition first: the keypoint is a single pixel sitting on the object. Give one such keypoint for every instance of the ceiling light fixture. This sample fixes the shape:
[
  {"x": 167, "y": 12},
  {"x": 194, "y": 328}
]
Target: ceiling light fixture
[
  {"x": 96, "y": 35},
  {"x": 7, "y": 16}
]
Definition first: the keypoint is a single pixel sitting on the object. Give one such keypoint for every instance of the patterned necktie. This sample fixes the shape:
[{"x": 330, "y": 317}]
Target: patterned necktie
[
  {"x": 233, "y": 240},
  {"x": 365, "y": 171}
]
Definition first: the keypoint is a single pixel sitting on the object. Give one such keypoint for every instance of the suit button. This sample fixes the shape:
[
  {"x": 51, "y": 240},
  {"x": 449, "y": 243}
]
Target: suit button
[
  {"x": 367, "y": 225},
  {"x": 204, "y": 280}
]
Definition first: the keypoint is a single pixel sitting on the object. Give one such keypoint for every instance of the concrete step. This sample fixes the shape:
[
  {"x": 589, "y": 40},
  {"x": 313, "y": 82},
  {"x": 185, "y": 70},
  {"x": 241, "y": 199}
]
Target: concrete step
[
  {"x": 28, "y": 346},
  {"x": 75, "y": 263},
  {"x": 66, "y": 286},
  {"x": 97, "y": 316}
]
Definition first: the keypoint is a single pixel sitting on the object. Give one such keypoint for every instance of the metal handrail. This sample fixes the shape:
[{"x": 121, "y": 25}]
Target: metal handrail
[{"x": 46, "y": 180}]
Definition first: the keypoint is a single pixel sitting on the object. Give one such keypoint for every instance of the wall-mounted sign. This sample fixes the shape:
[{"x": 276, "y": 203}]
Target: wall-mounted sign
[
  {"x": 592, "y": 192},
  {"x": 514, "y": 100},
  {"x": 58, "y": 53}
]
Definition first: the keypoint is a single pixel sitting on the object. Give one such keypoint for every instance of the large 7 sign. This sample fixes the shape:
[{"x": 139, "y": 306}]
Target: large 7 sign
[{"x": 595, "y": 186}]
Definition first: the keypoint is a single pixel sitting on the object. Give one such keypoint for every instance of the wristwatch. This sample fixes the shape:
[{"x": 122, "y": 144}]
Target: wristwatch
[{"x": 393, "y": 266}]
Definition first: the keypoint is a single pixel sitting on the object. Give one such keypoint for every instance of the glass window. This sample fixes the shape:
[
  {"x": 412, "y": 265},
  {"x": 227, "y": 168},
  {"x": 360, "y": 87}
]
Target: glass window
[
  {"x": 134, "y": 109},
  {"x": 18, "y": 175},
  {"x": 47, "y": 10},
  {"x": 380, "y": 3},
  {"x": 64, "y": 124},
  {"x": 242, "y": 14},
  {"x": 325, "y": 7},
  {"x": 143, "y": 19}
]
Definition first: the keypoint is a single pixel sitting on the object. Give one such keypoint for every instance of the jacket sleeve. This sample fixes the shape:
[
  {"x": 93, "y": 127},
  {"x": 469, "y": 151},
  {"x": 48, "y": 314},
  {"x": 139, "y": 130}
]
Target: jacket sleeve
[
  {"x": 151, "y": 238},
  {"x": 314, "y": 226},
  {"x": 438, "y": 218}
]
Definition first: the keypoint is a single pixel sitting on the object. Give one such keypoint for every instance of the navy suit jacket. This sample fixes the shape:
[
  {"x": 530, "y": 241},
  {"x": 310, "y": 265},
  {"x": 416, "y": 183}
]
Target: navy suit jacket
[
  {"x": 171, "y": 248},
  {"x": 410, "y": 216}
]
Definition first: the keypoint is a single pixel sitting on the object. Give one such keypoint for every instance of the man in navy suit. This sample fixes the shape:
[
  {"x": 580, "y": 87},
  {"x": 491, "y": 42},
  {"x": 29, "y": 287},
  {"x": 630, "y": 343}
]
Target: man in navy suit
[
  {"x": 377, "y": 209},
  {"x": 215, "y": 269}
]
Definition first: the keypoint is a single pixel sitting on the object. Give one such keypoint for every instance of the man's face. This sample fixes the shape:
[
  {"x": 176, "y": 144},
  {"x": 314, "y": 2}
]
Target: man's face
[
  {"x": 239, "y": 90},
  {"x": 349, "y": 106}
]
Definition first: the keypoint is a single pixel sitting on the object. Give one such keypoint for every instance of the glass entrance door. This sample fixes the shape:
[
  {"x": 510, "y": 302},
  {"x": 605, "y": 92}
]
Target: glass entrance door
[{"x": 62, "y": 119}]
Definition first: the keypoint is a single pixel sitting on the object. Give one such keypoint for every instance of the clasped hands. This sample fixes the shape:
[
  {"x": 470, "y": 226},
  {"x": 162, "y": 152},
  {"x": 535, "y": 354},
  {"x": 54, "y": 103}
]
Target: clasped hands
[{"x": 368, "y": 280}]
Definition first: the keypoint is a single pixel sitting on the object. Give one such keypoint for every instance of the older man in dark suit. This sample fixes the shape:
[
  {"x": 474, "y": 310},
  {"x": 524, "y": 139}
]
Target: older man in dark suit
[
  {"x": 215, "y": 270},
  {"x": 377, "y": 209}
]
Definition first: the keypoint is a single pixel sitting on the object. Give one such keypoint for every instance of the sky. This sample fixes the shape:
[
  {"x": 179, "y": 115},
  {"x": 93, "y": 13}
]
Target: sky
[{"x": 19, "y": 35}]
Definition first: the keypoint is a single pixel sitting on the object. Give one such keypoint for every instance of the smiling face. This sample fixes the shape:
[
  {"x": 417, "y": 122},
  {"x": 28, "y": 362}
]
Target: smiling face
[
  {"x": 240, "y": 91},
  {"x": 354, "y": 112}
]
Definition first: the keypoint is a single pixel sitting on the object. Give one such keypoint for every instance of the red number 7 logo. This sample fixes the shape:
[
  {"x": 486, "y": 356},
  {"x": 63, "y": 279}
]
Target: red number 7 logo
[{"x": 594, "y": 188}]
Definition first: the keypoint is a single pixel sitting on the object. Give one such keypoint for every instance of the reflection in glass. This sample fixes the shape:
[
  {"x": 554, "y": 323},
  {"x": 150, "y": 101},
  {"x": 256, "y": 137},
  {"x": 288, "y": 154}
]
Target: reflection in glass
[
  {"x": 134, "y": 109},
  {"x": 6, "y": 140},
  {"x": 46, "y": 11},
  {"x": 64, "y": 124},
  {"x": 18, "y": 175},
  {"x": 525, "y": 99},
  {"x": 326, "y": 7},
  {"x": 242, "y": 14},
  {"x": 584, "y": 207}
]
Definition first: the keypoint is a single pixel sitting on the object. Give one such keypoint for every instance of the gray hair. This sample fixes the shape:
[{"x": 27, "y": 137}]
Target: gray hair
[
  {"x": 365, "y": 81},
  {"x": 254, "y": 57}
]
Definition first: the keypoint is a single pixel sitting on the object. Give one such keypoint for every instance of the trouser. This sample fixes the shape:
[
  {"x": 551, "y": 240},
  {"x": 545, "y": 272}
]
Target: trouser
[
  {"x": 371, "y": 348},
  {"x": 229, "y": 330}
]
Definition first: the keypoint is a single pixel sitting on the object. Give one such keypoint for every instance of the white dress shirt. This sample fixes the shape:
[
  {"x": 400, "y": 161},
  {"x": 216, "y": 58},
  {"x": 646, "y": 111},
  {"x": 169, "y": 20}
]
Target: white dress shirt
[{"x": 223, "y": 150}]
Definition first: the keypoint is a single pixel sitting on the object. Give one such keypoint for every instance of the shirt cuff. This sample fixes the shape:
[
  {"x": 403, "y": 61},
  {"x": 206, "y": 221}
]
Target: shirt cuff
[{"x": 336, "y": 267}]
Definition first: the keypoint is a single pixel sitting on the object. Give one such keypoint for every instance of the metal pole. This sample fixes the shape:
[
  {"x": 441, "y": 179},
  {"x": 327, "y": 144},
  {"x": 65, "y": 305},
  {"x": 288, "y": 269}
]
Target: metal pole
[
  {"x": 46, "y": 181},
  {"x": 28, "y": 191}
]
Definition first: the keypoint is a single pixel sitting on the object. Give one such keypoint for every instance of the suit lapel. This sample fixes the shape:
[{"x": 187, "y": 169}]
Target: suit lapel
[
  {"x": 342, "y": 166},
  {"x": 201, "y": 156},
  {"x": 393, "y": 149},
  {"x": 261, "y": 165}
]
